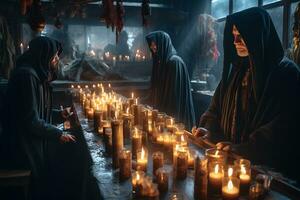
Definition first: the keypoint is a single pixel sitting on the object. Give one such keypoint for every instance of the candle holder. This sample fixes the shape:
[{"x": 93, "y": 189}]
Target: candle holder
[
  {"x": 136, "y": 181},
  {"x": 244, "y": 174},
  {"x": 136, "y": 142},
  {"x": 97, "y": 119},
  {"x": 181, "y": 163},
  {"x": 107, "y": 138},
  {"x": 230, "y": 188},
  {"x": 179, "y": 129},
  {"x": 125, "y": 164},
  {"x": 117, "y": 141},
  {"x": 216, "y": 155},
  {"x": 161, "y": 117},
  {"x": 127, "y": 125},
  {"x": 230, "y": 171},
  {"x": 256, "y": 191},
  {"x": 162, "y": 179},
  {"x": 191, "y": 158},
  {"x": 142, "y": 160},
  {"x": 154, "y": 115},
  {"x": 182, "y": 140},
  {"x": 215, "y": 176},
  {"x": 200, "y": 178},
  {"x": 158, "y": 161}
]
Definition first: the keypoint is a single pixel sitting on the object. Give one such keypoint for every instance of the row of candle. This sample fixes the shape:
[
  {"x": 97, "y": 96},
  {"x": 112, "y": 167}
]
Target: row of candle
[{"x": 167, "y": 133}]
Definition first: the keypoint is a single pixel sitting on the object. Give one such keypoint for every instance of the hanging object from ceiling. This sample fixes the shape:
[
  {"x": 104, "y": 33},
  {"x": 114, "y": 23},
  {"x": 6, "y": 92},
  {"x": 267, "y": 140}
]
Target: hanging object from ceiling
[
  {"x": 36, "y": 19},
  {"x": 109, "y": 13},
  {"x": 119, "y": 22},
  {"x": 24, "y": 5},
  {"x": 146, "y": 11}
]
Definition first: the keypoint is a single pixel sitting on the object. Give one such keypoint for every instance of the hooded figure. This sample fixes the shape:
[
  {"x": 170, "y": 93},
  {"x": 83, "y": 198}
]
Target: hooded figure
[
  {"x": 256, "y": 104},
  {"x": 28, "y": 109},
  {"x": 170, "y": 82}
]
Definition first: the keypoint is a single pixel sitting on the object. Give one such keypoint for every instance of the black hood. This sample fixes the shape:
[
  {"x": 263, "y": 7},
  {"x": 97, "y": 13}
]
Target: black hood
[
  {"x": 38, "y": 56},
  {"x": 264, "y": 46},
  {"x": 165, "y": 48}
]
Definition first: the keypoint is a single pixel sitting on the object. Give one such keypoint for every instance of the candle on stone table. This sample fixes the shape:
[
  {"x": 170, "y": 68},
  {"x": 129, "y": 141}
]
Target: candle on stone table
[
  {"x": 162, "y": 179},
  {"x": 90, "y": 114},
  {"x": 244, "y": 171},
  {"x": 97, "y": 118},
  {"x": 136, "y": 110},
  {"x": 136, "y": 142},
  {"x": 142, "y": 160},
  {"x": 127, "y": 125},
  {"x": 181, "y": 163},
  {"x": 200, "y": 178},
  {"x": 137, "y": 179},
  {"x": 230, "y": 188},
  {"x": 125, "y": 164},
  {"x": 158, "y": 161},
  {"x": 117, "y": 140},
  {"x": 215, "y": 177}
]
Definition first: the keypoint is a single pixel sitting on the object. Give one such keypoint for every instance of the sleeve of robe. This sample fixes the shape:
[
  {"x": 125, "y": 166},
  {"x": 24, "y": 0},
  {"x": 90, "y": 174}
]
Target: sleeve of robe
[
  {"x": 210, "y": 119},
  {"x": 27, "y": 109},
  {"x": 177, "y": 96},
  {"x": 280, "y": 134}
]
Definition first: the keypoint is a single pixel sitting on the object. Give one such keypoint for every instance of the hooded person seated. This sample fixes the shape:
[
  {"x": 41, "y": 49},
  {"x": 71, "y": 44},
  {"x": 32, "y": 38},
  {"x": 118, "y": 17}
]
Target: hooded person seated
[
  {"x": 28, "y": 109},
  {"x": 256, "y": 104},
  {"x": 170, "y": 82}
]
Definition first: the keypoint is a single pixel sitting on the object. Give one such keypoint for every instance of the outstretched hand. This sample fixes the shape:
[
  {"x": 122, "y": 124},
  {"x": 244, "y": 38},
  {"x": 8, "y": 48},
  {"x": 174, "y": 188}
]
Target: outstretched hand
[
  {"x": 66, "y": 112},
  {"x": 65, "y": 137},
  {"x": 224, "y": 146},
  {"x": 200, "y": 132}
]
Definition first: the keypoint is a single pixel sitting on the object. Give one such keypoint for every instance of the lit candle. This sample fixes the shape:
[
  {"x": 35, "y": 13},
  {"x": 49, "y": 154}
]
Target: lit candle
[
  {"x": 117, "y": 141},
  {"x": 215, "y": 177},
  {"x": 230, "y": 189},
  {"x": 244, "y": 167},
  {"x": 191, "y": 158},
  {"x": 127, "y": 125},
  {"x": 137, "y": 179},
  {"x": 97, "y": 118},
  {"x": 162, "y": 180},
  {"x": 200, "y": 178},
  {"x": 181, "y": 164},
  {"x": 136, "y": 109},
  {"x": 158, "y": 161},
  {"x": 125, "y": 164},
  {"x": 91, "y": 114},
  {"x": 160, "y": 139},
  {"x": 142, "y": 160},
  {"x": 136, "y": 142},
  {"x": 107, "y": 138},
  {"x": 215, "y": 155}
]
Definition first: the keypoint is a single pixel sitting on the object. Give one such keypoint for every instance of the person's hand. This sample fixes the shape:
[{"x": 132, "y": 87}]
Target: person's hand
[
  {"x": 200, "y": 132},
  {"x": 66, "y": 112},
  {"x": 65, "y": 137},
  {"x": 224, "y": 146}
]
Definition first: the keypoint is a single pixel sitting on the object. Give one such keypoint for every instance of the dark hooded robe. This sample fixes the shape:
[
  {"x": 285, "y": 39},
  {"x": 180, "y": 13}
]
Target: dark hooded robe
[
  {"x": 170, "y": 82},
  {"x": 28, "y": 110},
  {"x": 256, "y": 104}
]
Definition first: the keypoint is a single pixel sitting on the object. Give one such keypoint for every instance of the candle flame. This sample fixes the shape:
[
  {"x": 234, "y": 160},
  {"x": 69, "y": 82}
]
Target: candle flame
[
  {"x": 78, "y": 86},
  {"x": 230, "y": 171},
  {"x": 132, "y": 95},
  {"x": 217, "y": 168},
  {"x": 109, "y": 85},
  {"x": 143, "y": 153},
  {"x": 94, "y": 85},
  {"x": 136, "y": 101},
  {"x": 86, "y": 86},
  {"x": 21, "y": 45},
  {"x": 137, "y": 176},
  {"x": 171, "y": 121},
  {"x": 72, "y": 86},
  {"x": 230, "y": 185},
  {"x": 182, "y": 138},
  {"x": 127, "y": 110},
  {"x": 217, "y": 152},
  {"x": 243, "y": 169}
]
